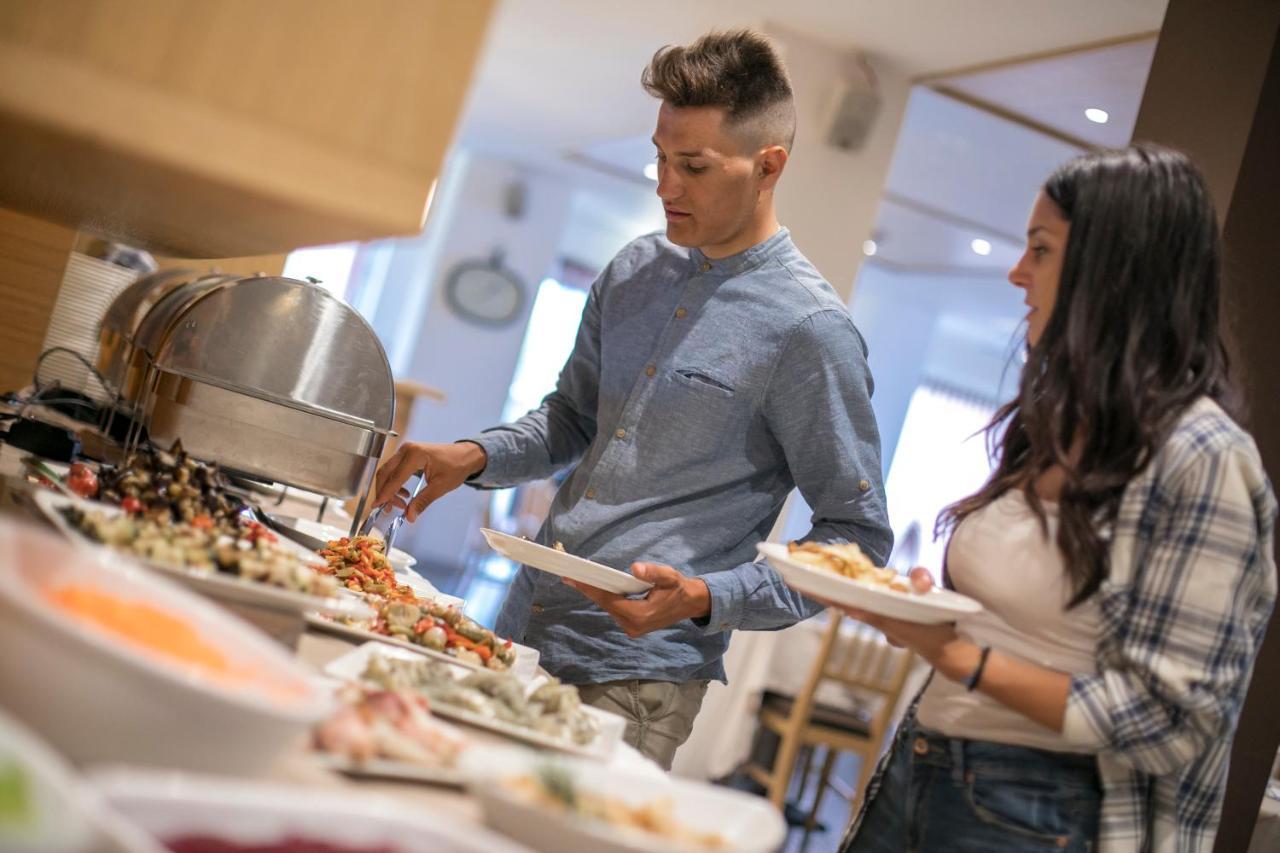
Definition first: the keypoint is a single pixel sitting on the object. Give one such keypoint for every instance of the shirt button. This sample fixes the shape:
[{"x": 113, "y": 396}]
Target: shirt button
[
  {"x": 619, "y": 433},
  {"x": 680, "y": 312},
  {"x": 650, "y": 370},
  {"x": 864, "y": 485},
  {"x": 591, "y": 494},
  {"x": 706, "y": 267},
  {"x": 537, "y": 608}
]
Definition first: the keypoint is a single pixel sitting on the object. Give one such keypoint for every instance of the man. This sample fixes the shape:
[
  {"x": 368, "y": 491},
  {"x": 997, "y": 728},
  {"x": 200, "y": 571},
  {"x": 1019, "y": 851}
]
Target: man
[{"x": 714, "y": 370}]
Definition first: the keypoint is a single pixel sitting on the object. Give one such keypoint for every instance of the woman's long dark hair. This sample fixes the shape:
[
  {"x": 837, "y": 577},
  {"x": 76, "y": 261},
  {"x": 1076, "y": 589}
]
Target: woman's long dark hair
[{"x": 1132, "y": 341}]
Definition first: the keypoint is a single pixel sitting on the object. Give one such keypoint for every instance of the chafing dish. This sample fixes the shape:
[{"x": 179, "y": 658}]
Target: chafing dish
[
  {"x": 119, "y": 325},
  {"x": 270, "y": 377}
]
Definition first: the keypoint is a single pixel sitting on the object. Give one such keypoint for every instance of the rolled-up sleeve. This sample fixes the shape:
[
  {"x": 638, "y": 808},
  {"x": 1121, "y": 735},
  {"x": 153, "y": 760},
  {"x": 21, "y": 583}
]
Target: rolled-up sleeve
[
  {"x": 818, "y": 407},
  {"x": 1203, "y": 591}
]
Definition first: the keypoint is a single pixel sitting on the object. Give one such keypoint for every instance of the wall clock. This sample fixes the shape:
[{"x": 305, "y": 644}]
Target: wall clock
[{"x": 485, "y": 292}]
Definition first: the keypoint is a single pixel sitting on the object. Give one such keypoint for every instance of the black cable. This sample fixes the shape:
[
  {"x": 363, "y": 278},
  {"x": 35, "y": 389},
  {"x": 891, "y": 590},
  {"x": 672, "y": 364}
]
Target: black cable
[{"x": 35, "y": 379}]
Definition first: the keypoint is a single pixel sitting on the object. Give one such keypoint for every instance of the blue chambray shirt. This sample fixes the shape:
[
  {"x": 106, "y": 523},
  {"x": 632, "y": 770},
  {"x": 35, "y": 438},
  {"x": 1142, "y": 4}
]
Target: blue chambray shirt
[{"x": 698, "y": 394}]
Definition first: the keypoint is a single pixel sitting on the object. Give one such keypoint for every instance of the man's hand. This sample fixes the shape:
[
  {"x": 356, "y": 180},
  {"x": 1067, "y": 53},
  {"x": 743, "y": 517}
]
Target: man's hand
[
  {"x": 673, "y": 598},
  {"x": 446, "y": 466}
]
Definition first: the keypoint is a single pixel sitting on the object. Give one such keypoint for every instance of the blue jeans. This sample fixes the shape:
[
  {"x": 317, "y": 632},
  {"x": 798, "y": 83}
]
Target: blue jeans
[{"x": 940, "y": 794}]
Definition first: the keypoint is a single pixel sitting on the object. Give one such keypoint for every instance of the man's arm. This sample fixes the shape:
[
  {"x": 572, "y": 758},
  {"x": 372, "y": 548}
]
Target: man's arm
[
  {"x": 549, "y": 438},
  {"x": 557, "y": 433},
  {"x": 818, "y": 405}
]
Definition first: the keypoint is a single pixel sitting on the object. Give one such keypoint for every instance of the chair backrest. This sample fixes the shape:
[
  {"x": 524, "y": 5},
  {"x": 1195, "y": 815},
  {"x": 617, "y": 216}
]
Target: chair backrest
[{"x": 862, "y": 659}]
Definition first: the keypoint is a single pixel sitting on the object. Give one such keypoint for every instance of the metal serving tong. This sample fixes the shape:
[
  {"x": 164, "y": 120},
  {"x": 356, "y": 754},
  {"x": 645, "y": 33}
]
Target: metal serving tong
[{"x": 389, "y": 535}]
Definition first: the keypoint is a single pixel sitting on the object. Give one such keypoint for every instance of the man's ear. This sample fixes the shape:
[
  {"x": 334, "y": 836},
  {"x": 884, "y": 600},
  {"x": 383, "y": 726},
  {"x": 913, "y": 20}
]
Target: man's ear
[{"x": 771, "y": 162}]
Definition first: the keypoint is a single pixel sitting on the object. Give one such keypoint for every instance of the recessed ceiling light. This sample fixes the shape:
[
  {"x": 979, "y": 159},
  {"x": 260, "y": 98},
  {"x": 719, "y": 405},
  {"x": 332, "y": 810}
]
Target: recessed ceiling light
[
  {"x": 980, "y": 246},
  {"x": 1096, "y": 115},
  {"x": 869, "y": 247},
  {"x": 651, "y": 171}
]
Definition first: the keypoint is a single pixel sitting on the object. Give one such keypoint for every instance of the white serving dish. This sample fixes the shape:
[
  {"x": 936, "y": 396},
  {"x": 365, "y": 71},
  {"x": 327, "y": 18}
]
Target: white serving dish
[
  {"x": 351, "y": 667},
  {"x": 222, "y": 587},
  {"x": 396, "y": 771},
  {"x": 933, "y": 608},
  {"x": 173, "y": 805},
  {"x": 423, "y": 588},
  {"x": 565, "y": 565},
  {"x": 748, "y": 824},
  {"x": 525, "y": 668},
  {"x": 400, "y": 560},
  {"x": 141, "y": 707},
  {"x": 54, "y": 811}
]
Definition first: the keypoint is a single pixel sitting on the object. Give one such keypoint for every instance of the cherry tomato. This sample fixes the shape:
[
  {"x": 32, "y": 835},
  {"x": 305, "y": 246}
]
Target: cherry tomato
[
  {"x": 132, "y": 505},
  {"x": 82, "y": 480}
]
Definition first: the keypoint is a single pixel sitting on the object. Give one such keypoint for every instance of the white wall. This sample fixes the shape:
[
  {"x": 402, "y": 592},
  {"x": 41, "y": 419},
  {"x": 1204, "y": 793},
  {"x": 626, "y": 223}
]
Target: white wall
[
  {"x": 920, "y": 326},
  {"x": 828, "y": 197}
]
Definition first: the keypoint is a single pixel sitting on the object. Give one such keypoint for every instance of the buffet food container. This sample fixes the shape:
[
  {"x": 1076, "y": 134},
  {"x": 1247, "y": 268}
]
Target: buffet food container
[
  {"x": 119, "y": 325},
  {"x": 271, "y": 378},
  {"x": 149, "y": 704}
]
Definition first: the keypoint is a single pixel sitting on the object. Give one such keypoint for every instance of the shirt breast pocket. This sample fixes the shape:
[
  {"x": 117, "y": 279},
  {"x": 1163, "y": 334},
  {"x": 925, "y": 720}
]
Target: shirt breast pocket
[
  {"x": 703, "y": 381},
  {"x": 700, "y": 412}
]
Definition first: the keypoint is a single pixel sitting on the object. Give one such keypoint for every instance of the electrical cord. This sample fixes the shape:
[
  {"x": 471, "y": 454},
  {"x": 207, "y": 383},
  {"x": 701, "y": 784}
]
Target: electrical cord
[{"x": 35, "y": 379}]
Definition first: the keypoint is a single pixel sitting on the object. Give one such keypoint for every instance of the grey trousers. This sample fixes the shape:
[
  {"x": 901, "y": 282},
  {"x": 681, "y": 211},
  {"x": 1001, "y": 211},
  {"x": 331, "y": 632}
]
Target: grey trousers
[{"x": 659, "y": 714}]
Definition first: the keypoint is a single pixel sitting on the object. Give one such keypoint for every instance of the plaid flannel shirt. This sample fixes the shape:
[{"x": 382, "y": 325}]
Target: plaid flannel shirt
[{"x": 1191, "y": 588}]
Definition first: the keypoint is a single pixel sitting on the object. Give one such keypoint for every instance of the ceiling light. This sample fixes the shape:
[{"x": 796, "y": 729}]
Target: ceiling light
[
  {"x": 1096, "y": 115},
  {"x": 651, "y": 171},
  {"x": 869, "y": 247},
  {"x": 980, "y": 246}
]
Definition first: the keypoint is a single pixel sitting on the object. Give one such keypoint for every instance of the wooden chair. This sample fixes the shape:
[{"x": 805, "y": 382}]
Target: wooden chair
[{"x": 865, "y": 664}]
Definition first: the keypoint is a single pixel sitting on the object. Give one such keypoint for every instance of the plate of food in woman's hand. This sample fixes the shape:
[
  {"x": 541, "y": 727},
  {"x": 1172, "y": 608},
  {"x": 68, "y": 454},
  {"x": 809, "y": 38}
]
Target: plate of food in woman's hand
[{"x": 840, "y": 574}]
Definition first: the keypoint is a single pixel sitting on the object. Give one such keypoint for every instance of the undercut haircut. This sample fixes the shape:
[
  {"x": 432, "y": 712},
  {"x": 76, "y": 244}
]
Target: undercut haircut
[{"x": 738, "y": 71}]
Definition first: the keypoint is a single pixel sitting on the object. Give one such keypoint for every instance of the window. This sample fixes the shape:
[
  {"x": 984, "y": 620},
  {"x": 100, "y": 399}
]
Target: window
[{"x": 941, "y": 456}]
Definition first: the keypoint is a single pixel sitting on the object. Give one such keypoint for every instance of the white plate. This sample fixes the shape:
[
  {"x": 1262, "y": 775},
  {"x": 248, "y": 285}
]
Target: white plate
[
  {"x": 55, "y": 811},
  {"x": 565, "y": 565},
  {"x": 423, "y": 588},
  {"x": 748, "y": 824},
  {"x": 351, "y": 667},
  {"x": 400, "y": 560},
  {"x": 211, "y": 583},
  {"x": 171, "y": 804},
  {"x": 98, "y": 697},
  {"x": 934, "y": 608},
  {"x": 385, "y": 768},
  {"x": 525, "y": 668}
]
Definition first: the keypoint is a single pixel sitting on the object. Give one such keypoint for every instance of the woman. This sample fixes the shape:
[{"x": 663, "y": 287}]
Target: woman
[{"x": 1122, "y": 549}]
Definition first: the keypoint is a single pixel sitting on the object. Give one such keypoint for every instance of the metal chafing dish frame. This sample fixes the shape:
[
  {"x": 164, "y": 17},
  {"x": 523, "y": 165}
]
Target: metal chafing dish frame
[
  {"x": 118, "y": 328},
  {"x": 332, "y": 451}
]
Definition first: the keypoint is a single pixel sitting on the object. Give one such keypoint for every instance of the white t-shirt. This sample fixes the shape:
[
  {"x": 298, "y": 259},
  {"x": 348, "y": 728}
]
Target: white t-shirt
[{"x": 1000, "y": 556}]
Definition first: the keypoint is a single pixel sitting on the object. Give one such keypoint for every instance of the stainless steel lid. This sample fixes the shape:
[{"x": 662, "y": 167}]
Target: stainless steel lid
[
  {"x": 155, "y": 324},
  {"x": 280, "y": 340},
  {"x": 132, "y": 304}
]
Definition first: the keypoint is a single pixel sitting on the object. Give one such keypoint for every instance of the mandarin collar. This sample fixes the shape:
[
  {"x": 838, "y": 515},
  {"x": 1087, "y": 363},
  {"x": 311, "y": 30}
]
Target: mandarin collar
[{"x": 741, "y": 262}]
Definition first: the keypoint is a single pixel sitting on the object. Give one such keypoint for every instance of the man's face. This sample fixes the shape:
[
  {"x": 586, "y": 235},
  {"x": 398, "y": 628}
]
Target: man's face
[{"x": 708, "y": 183}]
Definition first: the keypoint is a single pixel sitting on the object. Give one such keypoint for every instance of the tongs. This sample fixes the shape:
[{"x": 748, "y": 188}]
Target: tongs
[{"x": 389, "y": 536}]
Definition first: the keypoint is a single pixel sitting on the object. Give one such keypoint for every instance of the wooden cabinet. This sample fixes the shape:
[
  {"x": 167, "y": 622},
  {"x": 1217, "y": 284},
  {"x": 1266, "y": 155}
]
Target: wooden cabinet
[{"x": 220, "y": 128}]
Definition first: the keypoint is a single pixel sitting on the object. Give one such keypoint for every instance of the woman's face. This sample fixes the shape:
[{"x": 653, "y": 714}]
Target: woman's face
[{"x": 1038, "y": 270}]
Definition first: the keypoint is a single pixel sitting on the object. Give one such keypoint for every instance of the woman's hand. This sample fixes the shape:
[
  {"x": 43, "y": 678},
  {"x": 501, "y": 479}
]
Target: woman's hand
[{"x": 938, "y": 645}]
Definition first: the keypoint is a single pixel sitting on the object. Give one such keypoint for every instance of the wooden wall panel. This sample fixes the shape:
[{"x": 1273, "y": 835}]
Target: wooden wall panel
[{"x": 33, "y": 256}]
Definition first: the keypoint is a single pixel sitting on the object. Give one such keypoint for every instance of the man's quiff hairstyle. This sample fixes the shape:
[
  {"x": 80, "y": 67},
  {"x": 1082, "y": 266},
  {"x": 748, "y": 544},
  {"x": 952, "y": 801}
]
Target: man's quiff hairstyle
[{"x": 737, "y": 71}]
